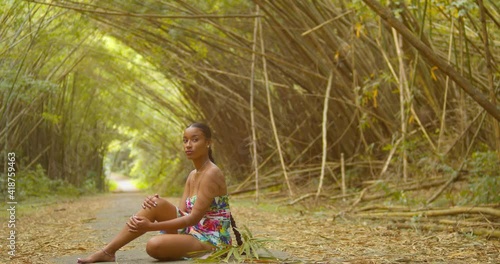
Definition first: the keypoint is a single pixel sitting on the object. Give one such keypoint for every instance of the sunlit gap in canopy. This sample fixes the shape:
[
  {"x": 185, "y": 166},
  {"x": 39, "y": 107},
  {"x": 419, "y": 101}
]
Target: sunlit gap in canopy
[{"x": 146, "y": 145}]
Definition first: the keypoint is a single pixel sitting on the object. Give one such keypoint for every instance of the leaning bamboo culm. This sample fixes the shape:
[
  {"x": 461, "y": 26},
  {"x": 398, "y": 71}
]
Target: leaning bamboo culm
[
  {"x": 252, "y": 110},
  {"x": 324, "y": 135},
  {"x": 271, "y": 115}
]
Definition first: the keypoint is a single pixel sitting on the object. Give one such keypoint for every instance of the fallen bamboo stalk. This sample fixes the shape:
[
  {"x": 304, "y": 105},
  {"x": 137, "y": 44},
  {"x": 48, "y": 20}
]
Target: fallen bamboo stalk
[
  {"x": 381, "y": 207},
  {"x": 409, "y": 188},
  {"x": 467, "y": 223},
  {"x": 360, "y": 198},
  {"x": 435, "y": 227},
  {"x": 305, "y": 196},
  {"x": 363, "y": 197},
  {"x": 384, "y": 207},
  {"x": 434, "y": 213},
  {"x": 342, "y": 196},
  {"x": 254, "y": 188},
  {"x": 396, "y": 182}
]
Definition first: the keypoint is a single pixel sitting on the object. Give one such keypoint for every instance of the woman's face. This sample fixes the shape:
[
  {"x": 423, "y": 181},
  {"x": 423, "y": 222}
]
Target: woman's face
[{"x": 195, "y": 143}]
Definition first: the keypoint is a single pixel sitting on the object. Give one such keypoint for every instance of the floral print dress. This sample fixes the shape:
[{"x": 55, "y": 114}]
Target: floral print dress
[{"x": 214, "y": 226}]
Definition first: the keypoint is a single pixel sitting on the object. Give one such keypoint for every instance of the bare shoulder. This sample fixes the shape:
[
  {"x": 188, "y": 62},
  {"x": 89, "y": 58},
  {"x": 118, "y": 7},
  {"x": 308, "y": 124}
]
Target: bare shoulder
[
  {"x": 214, "y": 176},
  {"x": 190, "y": 175},
  {"x": 214, "y": 173}
]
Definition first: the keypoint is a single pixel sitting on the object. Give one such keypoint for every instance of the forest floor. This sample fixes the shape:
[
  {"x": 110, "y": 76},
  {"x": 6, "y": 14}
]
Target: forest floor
[{"x": 59, "y": 231}]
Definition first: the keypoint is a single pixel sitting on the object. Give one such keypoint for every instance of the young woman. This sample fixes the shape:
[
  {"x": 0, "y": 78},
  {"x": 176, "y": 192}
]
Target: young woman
[{"x": 201, "y": 222}]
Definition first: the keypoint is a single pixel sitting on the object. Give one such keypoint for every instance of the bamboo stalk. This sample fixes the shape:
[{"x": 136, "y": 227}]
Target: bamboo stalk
[
  {"x": 445, "y": 99},
  {"x": 252, "y": 108},
  {"x": 271, "y": 115},
  {"x": 402, "y": 102},
  {"x": 489, "y": 68},
  {"x": 460, "y": 64},
  {"x": 389, "y": 157},
  {"x": 342, "y": 171},
  {"x": 324, "y": 133},
  {"x": 326, "y": 22},
  {"x": 269, "y": 157},
  {"x": 463, "y": 133}
]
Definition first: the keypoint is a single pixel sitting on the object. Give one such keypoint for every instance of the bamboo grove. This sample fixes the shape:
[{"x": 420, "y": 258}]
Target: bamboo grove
[{"x": 297, "y": 92}]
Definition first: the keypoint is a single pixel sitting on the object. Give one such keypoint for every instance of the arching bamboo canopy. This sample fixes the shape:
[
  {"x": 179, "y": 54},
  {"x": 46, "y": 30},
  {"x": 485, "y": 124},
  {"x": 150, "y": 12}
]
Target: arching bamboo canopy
[{"x": 79, "y": 75}]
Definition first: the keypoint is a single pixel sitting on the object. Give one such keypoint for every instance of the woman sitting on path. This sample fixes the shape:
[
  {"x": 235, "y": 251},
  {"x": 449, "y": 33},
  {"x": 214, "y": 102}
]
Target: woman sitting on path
[{"x": 201, "y": 223}]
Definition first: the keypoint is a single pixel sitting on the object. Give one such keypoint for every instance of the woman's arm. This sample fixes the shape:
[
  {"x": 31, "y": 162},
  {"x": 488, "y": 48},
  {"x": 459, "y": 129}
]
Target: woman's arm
[
  {"x": 210, "y": 187},
  {"x": 185, "y": 194}
]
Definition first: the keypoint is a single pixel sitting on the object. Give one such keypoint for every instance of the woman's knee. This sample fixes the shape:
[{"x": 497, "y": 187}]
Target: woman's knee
[
  {"x": 159, "y": 249},
  {"x": 153, "y": 248},
  {"x": 162, "y": 205}
]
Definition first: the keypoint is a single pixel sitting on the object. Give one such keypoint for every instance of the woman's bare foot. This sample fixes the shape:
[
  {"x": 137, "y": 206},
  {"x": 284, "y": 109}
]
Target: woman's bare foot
[{"x": 99, "y": 256}]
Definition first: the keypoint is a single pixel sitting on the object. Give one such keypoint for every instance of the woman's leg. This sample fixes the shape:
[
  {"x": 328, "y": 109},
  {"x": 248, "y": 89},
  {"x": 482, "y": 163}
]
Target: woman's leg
[
  {"x": 173, "y": 247},
  {"x": 162, "y": 212}
]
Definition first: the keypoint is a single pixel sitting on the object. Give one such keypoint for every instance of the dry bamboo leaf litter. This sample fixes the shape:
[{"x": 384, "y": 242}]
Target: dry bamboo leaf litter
[
  {"x": 320, "y": 238},
  {"x": 47, "y": 231}
]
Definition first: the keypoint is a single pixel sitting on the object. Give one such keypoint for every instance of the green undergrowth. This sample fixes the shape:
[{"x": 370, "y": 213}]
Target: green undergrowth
[{"x": 34, "y": 184}]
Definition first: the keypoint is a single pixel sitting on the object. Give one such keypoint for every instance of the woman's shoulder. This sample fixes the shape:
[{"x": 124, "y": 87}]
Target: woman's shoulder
[
  {"x": 214, "y": 170},
  {"x": 214, "y": 173},
  {"x": 190, "y": 176}
]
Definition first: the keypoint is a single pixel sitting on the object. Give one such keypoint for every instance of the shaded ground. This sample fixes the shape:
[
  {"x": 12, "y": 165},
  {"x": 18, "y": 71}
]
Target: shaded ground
[{"x": 62, "y": 231}]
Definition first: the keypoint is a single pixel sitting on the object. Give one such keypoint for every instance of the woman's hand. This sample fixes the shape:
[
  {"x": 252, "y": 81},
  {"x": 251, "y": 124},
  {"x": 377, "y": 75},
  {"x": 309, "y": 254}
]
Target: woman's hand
[
  {"x": 139, "y": 224},
  {"x": 149, "y": 203}
]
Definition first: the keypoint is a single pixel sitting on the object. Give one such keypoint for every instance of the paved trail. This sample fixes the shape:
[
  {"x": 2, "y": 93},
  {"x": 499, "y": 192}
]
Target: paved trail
[{"x": 110, "y": 220}]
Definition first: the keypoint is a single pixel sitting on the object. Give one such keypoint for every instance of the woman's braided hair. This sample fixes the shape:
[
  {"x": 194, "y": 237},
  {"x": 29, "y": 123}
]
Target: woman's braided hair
[{"x": 208, "y": 134}]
